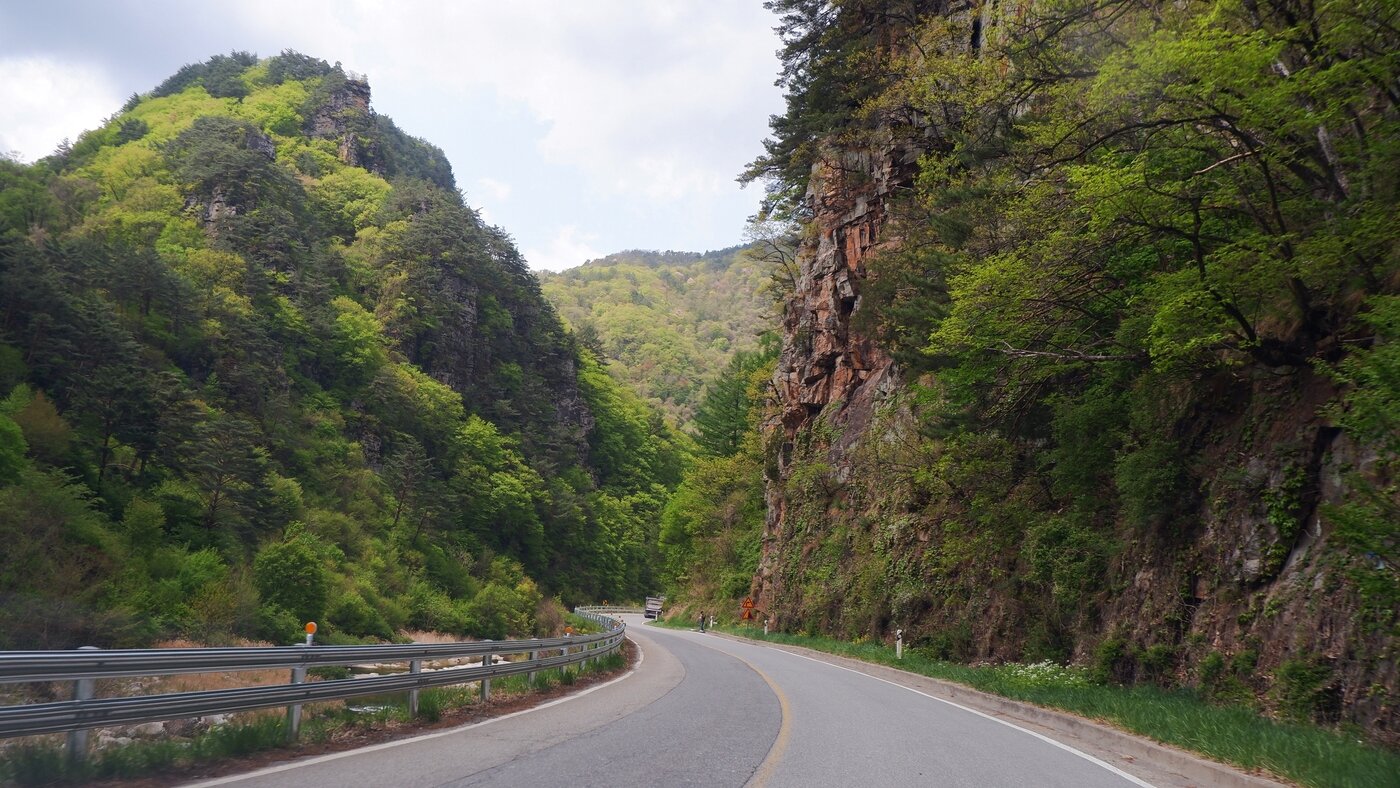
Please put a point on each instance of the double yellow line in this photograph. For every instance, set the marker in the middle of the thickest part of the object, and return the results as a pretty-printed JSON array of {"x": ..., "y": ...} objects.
[{"x": 764, "y": 773}]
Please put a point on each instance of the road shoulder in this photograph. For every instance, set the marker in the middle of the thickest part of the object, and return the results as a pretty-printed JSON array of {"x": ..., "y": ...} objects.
[{"x": 1160, "y": 764}]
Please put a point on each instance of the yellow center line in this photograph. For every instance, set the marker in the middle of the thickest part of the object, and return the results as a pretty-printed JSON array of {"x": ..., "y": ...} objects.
[{"x": 780, "y": 744}]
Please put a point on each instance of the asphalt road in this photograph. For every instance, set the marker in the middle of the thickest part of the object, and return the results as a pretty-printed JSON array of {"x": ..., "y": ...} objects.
[{"x": 705, "y": 710}]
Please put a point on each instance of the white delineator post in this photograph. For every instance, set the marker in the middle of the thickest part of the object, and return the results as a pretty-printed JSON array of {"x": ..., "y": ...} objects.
[
  {"x": 486, "y": 661},
  {"x": 534, "y": 655},
  {"x": 899, "y": 644},
  {"x": 299, "y": 677},
  {"x": 294, "y": 710}
]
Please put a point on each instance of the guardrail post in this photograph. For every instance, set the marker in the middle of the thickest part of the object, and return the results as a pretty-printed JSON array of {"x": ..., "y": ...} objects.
[
  {"x": 534, "y": 657},
  {"x": 294, "y": 710},
  {"x": 89, "y": 713},
  {"x": 78, "y": 740},
  {"x": 414, "y": 666},
  {"x": 486, "y": 661}
]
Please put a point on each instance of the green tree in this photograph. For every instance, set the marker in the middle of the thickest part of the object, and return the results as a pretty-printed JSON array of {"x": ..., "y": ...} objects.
[
  {"x": 725, "y": 414},
  {"x": 12, "y": 450},
  {"x": 228, "y": 162},
  {"x": 291, "y": 575},
  {"x": 225, "y": 464}
]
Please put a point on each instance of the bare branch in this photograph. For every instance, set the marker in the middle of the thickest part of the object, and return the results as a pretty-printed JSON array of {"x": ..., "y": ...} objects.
[{"x": 1068, "y": 355}]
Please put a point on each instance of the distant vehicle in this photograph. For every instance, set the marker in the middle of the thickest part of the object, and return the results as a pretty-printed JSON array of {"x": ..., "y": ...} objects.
[{"x": 653, "y": 607}]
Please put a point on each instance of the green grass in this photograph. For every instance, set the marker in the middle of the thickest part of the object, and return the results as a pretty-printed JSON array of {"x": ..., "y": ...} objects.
[
  {"x": 1233, "y": 734},
  {"x": 43, "y": 764},
  {"x": 34, "y": 764},
  {"x": 582, "y": 625}
]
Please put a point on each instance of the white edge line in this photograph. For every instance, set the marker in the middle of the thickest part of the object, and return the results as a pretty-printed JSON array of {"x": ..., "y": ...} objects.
[
  {"x": 1086, "y": 756},
  {"x": 641, "y": 655}
]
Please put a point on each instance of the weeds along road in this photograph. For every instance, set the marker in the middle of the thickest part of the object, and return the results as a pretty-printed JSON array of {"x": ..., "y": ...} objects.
[{"x": 706, "y": 710}]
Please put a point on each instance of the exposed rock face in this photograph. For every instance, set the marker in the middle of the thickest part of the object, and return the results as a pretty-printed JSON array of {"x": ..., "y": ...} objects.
[
  {"x": 219, "y": 206},
  {"x": 1241, "y": 583},
  {"x": 343, "y": 118},
  {"x": 351, "y": 100},
  {"x": 824, "y": 364},
  {"x": 260, "y": 143},
  {"x": 570, "y": 408}
]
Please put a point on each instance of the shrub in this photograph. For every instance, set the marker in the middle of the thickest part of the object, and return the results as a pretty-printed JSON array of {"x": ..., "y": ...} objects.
[
  {"x": 1210, "y": 670},
  {"x": 290, "y": 574},
  {"x": 431, "y": 609},
  {"x": 1067, "y": 555},
  {"x": 1114, "y": 662},
  {"x": 353, "y": 615},
  {"x": 954, "y": 643},
  {"x": 277, "y": 625},
  {"x": 1150, "y": 481},
  {"x": 1155, "y": 663},
  {"x": 498, "y": 611},
  {"x": 1300, "y": 688}
]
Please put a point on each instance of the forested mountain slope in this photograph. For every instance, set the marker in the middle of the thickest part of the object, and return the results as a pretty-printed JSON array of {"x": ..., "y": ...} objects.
[
  {"x": 260, "y": 364},
  {"x": 1093, "y": 350},
  {"x": 668, "y": 322}
]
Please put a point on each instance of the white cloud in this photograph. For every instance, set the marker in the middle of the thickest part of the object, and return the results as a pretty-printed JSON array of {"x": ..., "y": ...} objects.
[
  {"x": 628, "y": 117},
  {"x": 658, "y": 99},
  {"x": 492, "y": 189},
  {"x": 43, "y": 101},
  {"x": 567, "y": 249}
]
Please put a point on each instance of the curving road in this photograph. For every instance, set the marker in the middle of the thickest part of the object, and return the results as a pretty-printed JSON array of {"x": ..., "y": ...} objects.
[{"x": 706, "y": 710}]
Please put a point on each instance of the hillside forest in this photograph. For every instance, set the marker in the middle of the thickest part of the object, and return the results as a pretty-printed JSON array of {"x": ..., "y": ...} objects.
[
  {"x": 668, "y": 322},
  {"x": 260, "y": 364},
  {"x": 1066, "y": 331}
]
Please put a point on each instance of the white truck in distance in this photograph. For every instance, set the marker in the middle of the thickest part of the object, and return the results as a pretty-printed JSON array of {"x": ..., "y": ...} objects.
[{"x": 653, "y": 607}]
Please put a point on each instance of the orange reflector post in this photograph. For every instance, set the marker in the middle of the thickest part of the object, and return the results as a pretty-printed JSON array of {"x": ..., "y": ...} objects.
[{"x": 311, "y": 627}]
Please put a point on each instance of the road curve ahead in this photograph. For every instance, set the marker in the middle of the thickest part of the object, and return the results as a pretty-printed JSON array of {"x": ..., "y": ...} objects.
[
  {"x": 704, "y": 710},
  {"x": 844, "y": 727}
]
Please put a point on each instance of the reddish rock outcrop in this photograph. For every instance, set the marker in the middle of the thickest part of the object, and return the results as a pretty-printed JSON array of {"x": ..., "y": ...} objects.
[{"x": 825, "y": 364}]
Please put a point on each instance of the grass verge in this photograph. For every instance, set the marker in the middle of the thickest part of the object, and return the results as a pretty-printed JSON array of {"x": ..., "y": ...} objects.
[{"x": 1235, "y": 735}]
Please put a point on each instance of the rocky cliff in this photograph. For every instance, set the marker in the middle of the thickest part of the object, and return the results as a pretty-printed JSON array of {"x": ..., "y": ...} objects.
[
  {"x": 826, "y": 369},
  {"x": 1214, "y": 537},
  {"x": 1257, "y": 582}
]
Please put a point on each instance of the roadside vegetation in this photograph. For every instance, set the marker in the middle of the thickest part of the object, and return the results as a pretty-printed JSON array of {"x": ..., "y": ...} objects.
[
  {"x": 1139, "y": 293},
  {"x": 1230, "y": 732}
]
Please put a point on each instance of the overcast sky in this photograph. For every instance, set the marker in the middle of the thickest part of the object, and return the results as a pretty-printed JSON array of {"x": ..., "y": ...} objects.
[{"x": 581, "y": 127}]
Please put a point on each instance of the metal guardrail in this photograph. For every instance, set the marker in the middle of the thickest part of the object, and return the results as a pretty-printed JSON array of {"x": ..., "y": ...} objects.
[
  {"x": 604, "y": 613},
  {"x": 83, "y": 665},
  {"x": 100, "y": 664}
]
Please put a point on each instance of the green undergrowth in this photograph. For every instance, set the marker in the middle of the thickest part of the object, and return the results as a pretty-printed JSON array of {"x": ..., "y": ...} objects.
[
  {"x": 1232, "y": 734},
  {"x": 45, "y": 763}
]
